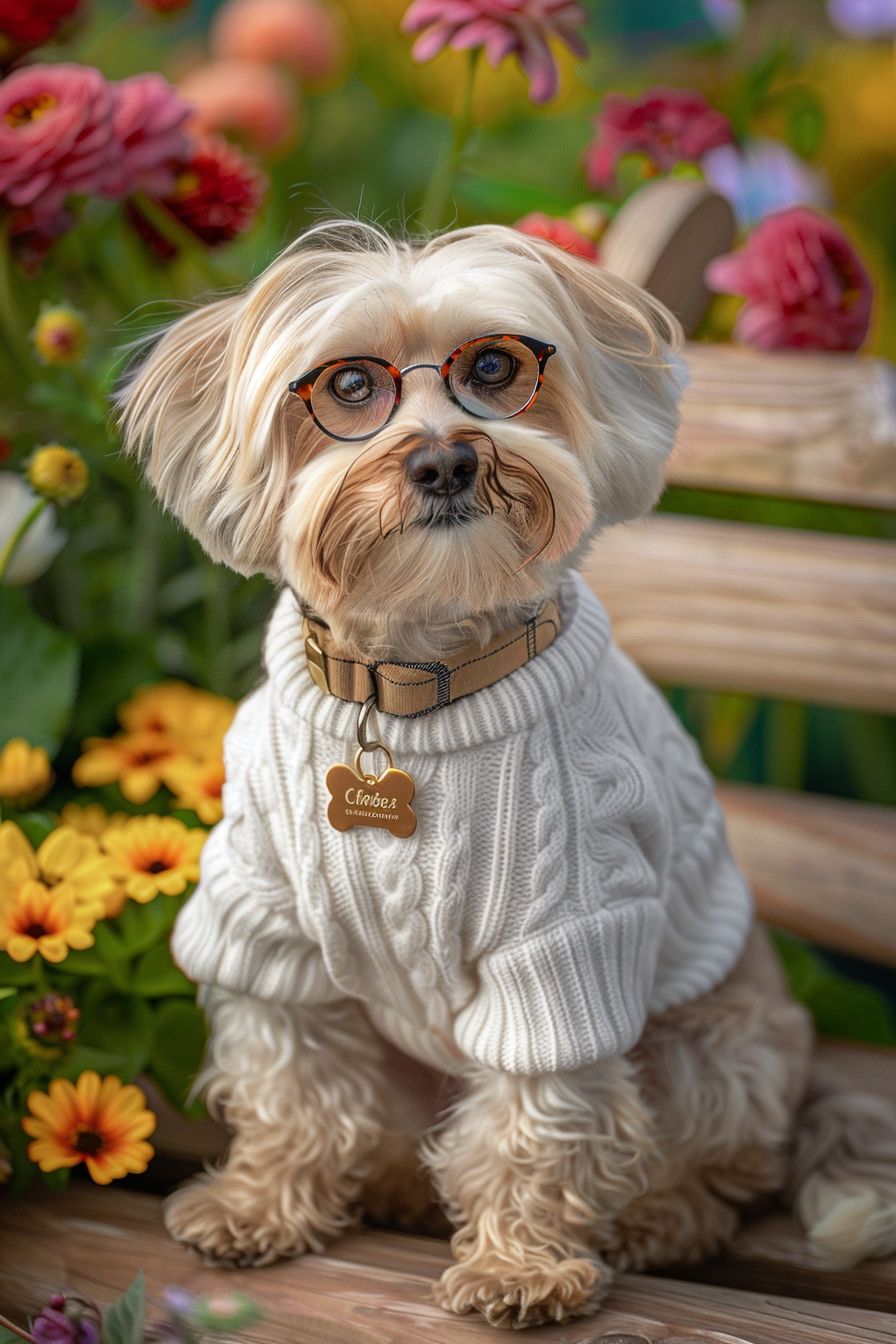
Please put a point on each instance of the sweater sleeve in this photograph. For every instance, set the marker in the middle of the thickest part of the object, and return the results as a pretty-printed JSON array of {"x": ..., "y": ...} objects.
[
  {"x": 567, "y": 997},
  {"x": 239, "y": 930}
]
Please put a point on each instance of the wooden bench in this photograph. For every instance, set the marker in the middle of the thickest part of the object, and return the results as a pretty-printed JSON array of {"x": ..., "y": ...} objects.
[{"x": 701, "y": 603}]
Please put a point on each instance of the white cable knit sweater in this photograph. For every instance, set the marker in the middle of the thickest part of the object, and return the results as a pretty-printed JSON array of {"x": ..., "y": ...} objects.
[{"x": 568, "y": 876}]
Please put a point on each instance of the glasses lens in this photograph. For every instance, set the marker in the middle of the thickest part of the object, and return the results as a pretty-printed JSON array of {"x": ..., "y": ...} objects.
[
  {"x": 494, "y": 378},
  {"x": 354, "y": 399}
]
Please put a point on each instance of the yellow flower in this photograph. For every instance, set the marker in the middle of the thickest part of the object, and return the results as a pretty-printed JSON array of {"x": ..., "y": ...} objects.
[
  {"x": 96, "y": 1121},
  {"x": 152, "y": 855},
  {"x": 89, "y": 818},
  {"x": 25, "y": 773},
  {"x": 59, "y": 335},
  {"x": 197, "y": 785},
  {"x": 69, "y": 865},
  {"x": 37, "y": 919},
  {"x": 134, "y": 761},
  {"x": 179, "y": 711},
  {"x": 58, "y": 473}
]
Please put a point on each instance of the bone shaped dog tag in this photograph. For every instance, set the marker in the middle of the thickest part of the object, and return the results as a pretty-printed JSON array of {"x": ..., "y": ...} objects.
[{"x": 382, "y": 801}]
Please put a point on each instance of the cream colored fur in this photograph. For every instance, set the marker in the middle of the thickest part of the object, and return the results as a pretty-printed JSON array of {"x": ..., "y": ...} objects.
[{"x": 552, "y": 1181}]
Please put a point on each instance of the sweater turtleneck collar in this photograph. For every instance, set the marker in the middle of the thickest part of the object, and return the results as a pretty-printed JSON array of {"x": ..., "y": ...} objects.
[{"x": 558, "y": 675}]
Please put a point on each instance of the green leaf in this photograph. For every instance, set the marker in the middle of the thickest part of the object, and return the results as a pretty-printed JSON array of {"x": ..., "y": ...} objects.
[
  {"x": 140, "y": 927},
  {"x": 89, "y": 1057},
  {"x": 117, "y": 1021},
  {"x": 15, "y": 972},
  {"x": 156, "y": 976},
  {"x": 38, "y": 673},
  {"x": 177, "y": 1049},
  {"x": 7, "y": 992},
  {"x": 7, "y": 1337},
  {"x": 123, "y": 1321},
  {"x": 86, "y": 962}
]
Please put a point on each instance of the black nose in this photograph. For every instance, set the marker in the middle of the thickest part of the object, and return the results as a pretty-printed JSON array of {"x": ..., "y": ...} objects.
[{"x": 442, "y": 469}]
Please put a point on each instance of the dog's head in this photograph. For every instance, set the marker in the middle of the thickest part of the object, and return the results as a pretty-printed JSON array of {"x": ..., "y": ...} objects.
[{"x": 466, "y": 473}]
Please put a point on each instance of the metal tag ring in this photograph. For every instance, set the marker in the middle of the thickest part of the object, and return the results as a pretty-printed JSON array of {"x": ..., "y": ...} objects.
[{"x": 376, "y": 746}]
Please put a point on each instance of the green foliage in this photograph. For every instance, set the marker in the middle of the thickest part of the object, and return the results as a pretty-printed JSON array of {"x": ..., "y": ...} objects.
[
  {"x": 123, "y": 1321},
  {"x": 177, "y": 1049},
  {"x": 38, "y": 673},
  {"x": 839, "y": 1006}
]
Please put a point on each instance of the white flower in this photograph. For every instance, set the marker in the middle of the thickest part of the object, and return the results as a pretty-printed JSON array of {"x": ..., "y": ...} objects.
[{"x": 41, "y": 543}]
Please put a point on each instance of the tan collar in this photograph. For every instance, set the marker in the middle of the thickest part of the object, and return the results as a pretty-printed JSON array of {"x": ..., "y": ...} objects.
[{"x": 412, "y": 689}]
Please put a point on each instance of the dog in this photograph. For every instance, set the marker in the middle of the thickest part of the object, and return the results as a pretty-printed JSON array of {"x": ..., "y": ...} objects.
[{"x": 518, "y": 967}]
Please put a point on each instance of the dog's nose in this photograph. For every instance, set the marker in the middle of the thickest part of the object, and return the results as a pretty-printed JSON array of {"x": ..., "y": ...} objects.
[{"x": 442, "y": 469}]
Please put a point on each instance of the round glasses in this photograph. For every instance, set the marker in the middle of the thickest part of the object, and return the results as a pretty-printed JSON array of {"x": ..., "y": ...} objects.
[{"x": 492, "y": 377}]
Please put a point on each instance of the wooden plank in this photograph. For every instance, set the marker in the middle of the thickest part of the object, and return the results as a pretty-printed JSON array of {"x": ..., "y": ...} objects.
[
  {"x": 808, "y": 426},
  {"x": 373, "y": 1286},
  {"x": 819, "y": 867},
  {"x": 730, "y": 606}
]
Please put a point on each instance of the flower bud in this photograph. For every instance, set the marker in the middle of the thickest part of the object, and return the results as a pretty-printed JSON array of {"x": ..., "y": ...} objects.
[
  {"x": 59, "y": 335},
  {"x": 58, "y": 473}
]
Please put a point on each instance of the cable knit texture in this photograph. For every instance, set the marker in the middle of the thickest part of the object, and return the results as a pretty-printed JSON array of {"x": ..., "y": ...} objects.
[{"x": 568, "y": 876}]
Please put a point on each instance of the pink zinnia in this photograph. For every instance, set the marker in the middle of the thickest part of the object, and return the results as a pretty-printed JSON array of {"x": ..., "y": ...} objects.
[
  {"x": 804, "y": 285},
  {"x": 670, "y": 126},
  {"x": 559, "y": 232},
  {"x": 519, "y": 28},
  {"x": 149, "y": 123},
  {"x": 57, "y": 136}
]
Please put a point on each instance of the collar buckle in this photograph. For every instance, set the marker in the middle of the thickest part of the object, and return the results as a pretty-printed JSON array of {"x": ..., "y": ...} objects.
[{"x": 314, "y": 654}]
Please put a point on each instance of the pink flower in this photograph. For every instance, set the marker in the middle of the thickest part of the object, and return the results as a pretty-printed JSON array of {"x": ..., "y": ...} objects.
[
  {"x": 670, "y": 126},
  {"x": 804, "y": 285},
  {"x": 149, "y": 123},
  {"x": 57, "y": 136},
  {"x": 503, "y": 27},
  {"x": 558, "y": 231},
  {"x": 304, "y": 35},
  {"x": 255, "y": 101}
]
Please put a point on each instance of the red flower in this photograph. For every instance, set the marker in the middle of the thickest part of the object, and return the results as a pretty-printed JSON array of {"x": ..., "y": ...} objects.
[
  {"x": 27, "y": 23},
  {"x": 164, "y": 6},
  {"x": 149, "y": 124},
  {"x": 804, "y": 285},
  {"x": 558, "y": 231},
  {"x": 57, "y": 136},
  {"x": 670, "y": 126}
]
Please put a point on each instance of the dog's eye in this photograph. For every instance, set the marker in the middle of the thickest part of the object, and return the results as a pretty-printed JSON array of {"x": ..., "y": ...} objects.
[
  {"x": 351, "y": 384},
  {"x": 494, "y": 368}
]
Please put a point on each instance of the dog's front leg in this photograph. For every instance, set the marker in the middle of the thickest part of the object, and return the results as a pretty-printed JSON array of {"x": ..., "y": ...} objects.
[
  {"x": 531, "y": 1169},
  {"x": 301, "y": 1090}
]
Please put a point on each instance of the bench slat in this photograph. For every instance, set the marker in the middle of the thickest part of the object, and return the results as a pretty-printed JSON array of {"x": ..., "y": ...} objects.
[
  {"x": 730, "y": 606},
  {"x": 819, "y": 867},
  {"x": 807, "y": 426}
]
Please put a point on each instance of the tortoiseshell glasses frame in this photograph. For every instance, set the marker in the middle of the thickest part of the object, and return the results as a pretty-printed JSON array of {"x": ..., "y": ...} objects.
[{"x": 304, "y": 386}]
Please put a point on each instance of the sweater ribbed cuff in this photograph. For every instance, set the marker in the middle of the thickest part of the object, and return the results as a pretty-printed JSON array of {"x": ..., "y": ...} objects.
[{"x": 567, "y": 998}]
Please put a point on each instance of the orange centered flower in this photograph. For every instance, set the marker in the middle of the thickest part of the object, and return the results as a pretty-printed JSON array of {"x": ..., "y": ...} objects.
[
  {"x": 198, "y": 786},
  {"x": 36, "y": 919},
  {"x": 96, "y": 1121},
  {"x": 68, "y": 878},
  {"x": 152, "y": 855},
  {"x": 25, "y": 773},
  {"x": 132, "y": 760},
  {"x": 29, "y": 109}
]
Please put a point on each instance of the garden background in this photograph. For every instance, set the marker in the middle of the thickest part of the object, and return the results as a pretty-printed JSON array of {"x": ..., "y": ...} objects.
[{"x": 122, "y": 647}]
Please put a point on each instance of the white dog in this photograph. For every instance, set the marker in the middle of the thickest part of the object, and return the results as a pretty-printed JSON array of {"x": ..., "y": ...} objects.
[{"x": 535, "y": 896}]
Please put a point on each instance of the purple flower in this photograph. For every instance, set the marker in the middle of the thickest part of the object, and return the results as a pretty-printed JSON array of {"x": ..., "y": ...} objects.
[
  {"x": 763, "y": 177},
  {"x": 726, "y": 16},
  {"x": 67, "y": 1320},
  {"x": 863, "y": 19}
]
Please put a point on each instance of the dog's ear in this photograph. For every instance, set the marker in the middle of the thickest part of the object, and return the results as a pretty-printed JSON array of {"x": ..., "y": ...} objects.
[
  {"x": 201, "y": 445},
  {"x": 629, "y": 378}
]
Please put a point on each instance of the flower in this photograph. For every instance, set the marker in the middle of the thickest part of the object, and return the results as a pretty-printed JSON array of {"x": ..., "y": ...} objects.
[
  {"x": 31, "y": 240},
  {"x": 197, "y": 785},
  {"x": 67, "y": 864},
  {"x": 57, "y": 136},
  {"x": 96, "y": 1121},
  {"x": 558, "y": 231},
  {"x": 59, "y": 335},
  {"x": 89, "y": 818},
  {"x": 303, "y": 35},
  {"x": 863, "y": 19},
  {"x": 28, "y": 23},
  {"x": 255, "y": 101},
  {"x": 132, "y": 760},
  {"x": 164, "y": 6},
  {"x": 217, "y": 1313},
  {"x": 25, "y": 773},
  {"x": 725, "y": 16},
  {"x": 40, "y": 545},
  {"x": 503, "y": 27},
  {"x": 217, "y": 195},
  {"x": 152, "y": 855},
  {"x": 68, "y": 1319},
  {"x": 58, "y": 473},
  {"x": 762, "y": 177},
  {"x": 805, "y": 286},
  {"x": 49, "y": 1024},
  {"x": 189, "y": 715},
  {"x": 37, "y": 920},
  {"x": 670, "y": 126},
  {"x": 150, "y": 120}
]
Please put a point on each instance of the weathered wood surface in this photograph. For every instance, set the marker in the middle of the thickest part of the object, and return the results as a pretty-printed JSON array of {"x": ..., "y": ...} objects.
[
  {"x": 808, "y": 426},
  {"x": 819, "y": 867},
  {"x": 730, "y": 606},
  {"x": 373, "y": 1287}
]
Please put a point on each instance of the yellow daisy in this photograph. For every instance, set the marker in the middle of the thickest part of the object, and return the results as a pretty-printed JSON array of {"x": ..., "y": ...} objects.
[
  {"x": 152, "y": 855},
  {"x": 25, "y": 773},
  {"x": 176, "y": 710},
  {"x": 97, "y": 1121},
  {"x": 89, "y": 818},
  {"x": 197, "y": 785},
  {"x": 39, "y": 920},
  {"x": 70, "y": 865},
  {"x": 132, "y": 760}
]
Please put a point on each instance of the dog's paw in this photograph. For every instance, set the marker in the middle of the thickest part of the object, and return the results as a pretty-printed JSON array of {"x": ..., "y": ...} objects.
[
  {"x": 214, "y": 1215},
  {"x": 516, "y": 1296}
]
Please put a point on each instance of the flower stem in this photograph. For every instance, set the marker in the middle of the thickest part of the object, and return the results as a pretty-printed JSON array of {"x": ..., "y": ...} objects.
[
  {"x": 433, "y": 210},
  {"x": 6, "y": 554},
  {"x": 16, "y": 1330}
]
